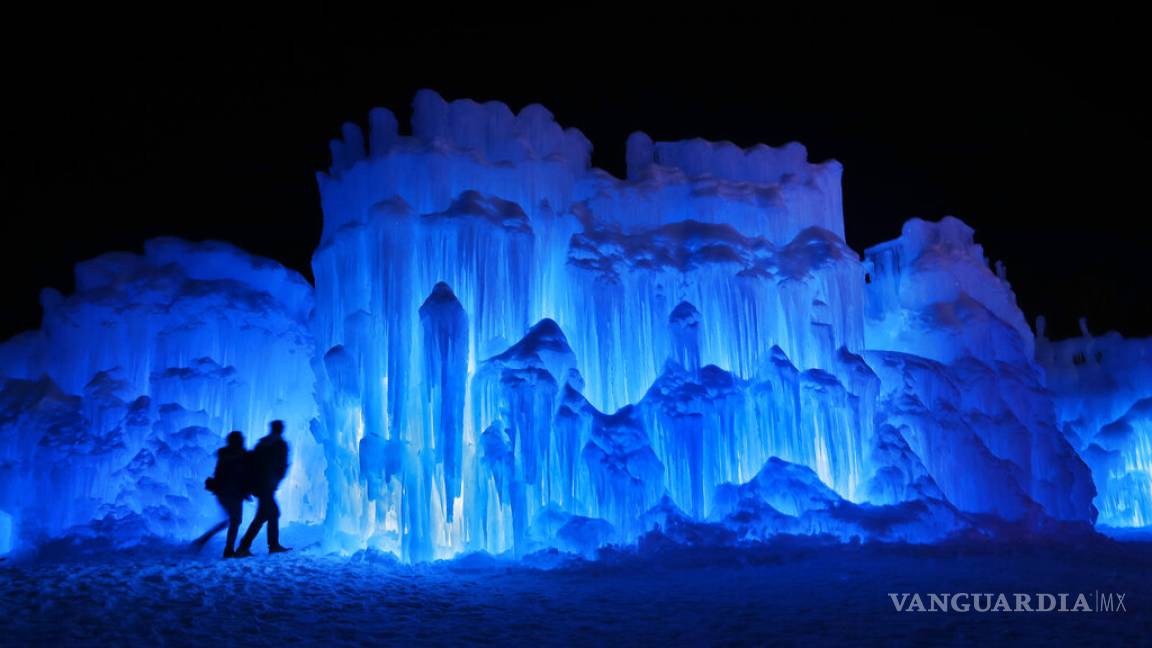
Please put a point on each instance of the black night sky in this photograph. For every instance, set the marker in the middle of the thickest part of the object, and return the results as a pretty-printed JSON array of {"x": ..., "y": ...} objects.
[{"x": 1028, "y": 133}]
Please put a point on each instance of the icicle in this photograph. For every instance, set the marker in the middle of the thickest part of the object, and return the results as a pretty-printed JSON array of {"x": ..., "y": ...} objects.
[{"x": 445, "y": 328}]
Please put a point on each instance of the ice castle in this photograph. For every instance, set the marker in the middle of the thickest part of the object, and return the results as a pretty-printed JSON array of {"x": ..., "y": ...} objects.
[{"x": 508, "y": 350}]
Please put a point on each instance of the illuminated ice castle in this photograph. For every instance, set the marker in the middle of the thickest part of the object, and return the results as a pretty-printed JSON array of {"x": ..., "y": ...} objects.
[{"x": 508, "y": 350}]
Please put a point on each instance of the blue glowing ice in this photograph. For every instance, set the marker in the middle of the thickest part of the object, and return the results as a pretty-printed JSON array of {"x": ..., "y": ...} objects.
[
  {"x": 111, "y": 412},
  {"x": 1102, "y": 388},
  {"x": 507, "y": 350}
]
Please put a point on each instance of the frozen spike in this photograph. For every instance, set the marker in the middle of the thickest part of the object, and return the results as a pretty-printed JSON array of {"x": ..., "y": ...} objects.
[
  {"x": 428, "y": 114},
  {"x": 384, "y": 131},
  {"x": 353, "y": 143},
  {"x": 639, "y": 154},
  {"x": 445, "y": 329},
  {"x": 339, "y": 157}
]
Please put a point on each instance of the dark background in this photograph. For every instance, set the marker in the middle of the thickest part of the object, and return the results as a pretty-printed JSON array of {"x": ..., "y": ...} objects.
[{"x": 1029, "y": 132}]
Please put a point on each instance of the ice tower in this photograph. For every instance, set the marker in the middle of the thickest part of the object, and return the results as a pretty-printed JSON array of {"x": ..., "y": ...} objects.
[{"x": 619, "y": 343}]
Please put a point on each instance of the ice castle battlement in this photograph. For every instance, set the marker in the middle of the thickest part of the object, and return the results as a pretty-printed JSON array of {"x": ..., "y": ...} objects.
[
  {"x": 490, "y": 131},
  {"x": 529, "y": 158},
  {"x": 493, "y": 132}
]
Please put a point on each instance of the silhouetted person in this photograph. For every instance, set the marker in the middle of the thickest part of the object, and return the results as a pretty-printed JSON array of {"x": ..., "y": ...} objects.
[
  {"x": 231, "y": 483},
  {"x": 269, "y": 460}
]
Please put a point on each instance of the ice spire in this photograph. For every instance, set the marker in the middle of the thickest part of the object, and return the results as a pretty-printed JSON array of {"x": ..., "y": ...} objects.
[{"x": 445, "y": 326}]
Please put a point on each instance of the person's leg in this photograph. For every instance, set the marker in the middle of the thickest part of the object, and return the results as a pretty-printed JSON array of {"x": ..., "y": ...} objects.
[
  {"x": 235, "y": 510},
  {"x": 257, "y": 522},
  {"x": 199, "y": 543},
  {"x": 273, "y": 523}
]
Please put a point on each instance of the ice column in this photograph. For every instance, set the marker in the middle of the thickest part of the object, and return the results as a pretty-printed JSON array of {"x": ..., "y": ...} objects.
[{"x": 445, "y": 327}]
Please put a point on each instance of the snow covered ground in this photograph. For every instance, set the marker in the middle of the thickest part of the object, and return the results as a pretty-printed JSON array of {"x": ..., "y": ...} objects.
[{"x": 791, "y": 591}]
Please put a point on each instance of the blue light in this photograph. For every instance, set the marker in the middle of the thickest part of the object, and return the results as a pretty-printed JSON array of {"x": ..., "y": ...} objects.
[{"x": 508, "y": 350}]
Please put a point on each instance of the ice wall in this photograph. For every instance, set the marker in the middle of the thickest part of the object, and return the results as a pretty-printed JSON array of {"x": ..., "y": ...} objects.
[
  {"x": 630, "y": 344},
  {"x": 1102, "y": 387},
  {"x": 111, "y": 413},
  {"x": 954, "y": 355},
  {"x": 583, "y": 300}
]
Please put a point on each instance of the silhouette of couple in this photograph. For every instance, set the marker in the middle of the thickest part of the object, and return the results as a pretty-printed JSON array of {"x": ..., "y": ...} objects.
[{"x": 239, "y": 475}]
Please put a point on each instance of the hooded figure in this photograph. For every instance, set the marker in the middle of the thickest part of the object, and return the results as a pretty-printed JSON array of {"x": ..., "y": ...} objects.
[{"x": 269, "y": 464}]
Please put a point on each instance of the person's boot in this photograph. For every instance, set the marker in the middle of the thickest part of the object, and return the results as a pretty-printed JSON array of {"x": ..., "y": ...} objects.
[
  {"x": 242, "y": 552},
  {"x": 278, "y": 549},
  {"x": 229, "y": 552}
]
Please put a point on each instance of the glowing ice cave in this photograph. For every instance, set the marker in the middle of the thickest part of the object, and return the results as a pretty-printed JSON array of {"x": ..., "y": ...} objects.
[{"x": 507, "y": 350}]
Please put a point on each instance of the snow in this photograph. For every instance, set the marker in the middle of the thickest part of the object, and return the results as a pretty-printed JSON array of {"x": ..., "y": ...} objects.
[{"x": 789, "y": 590}]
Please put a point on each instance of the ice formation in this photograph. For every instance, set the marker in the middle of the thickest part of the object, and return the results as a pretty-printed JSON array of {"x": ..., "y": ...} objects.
[
  {"x": 954, "y": 355},
  {"x": 507, "y": 350},
  {"x": 1102, "y": 388},
  {"x": 110, "y": 414}
]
